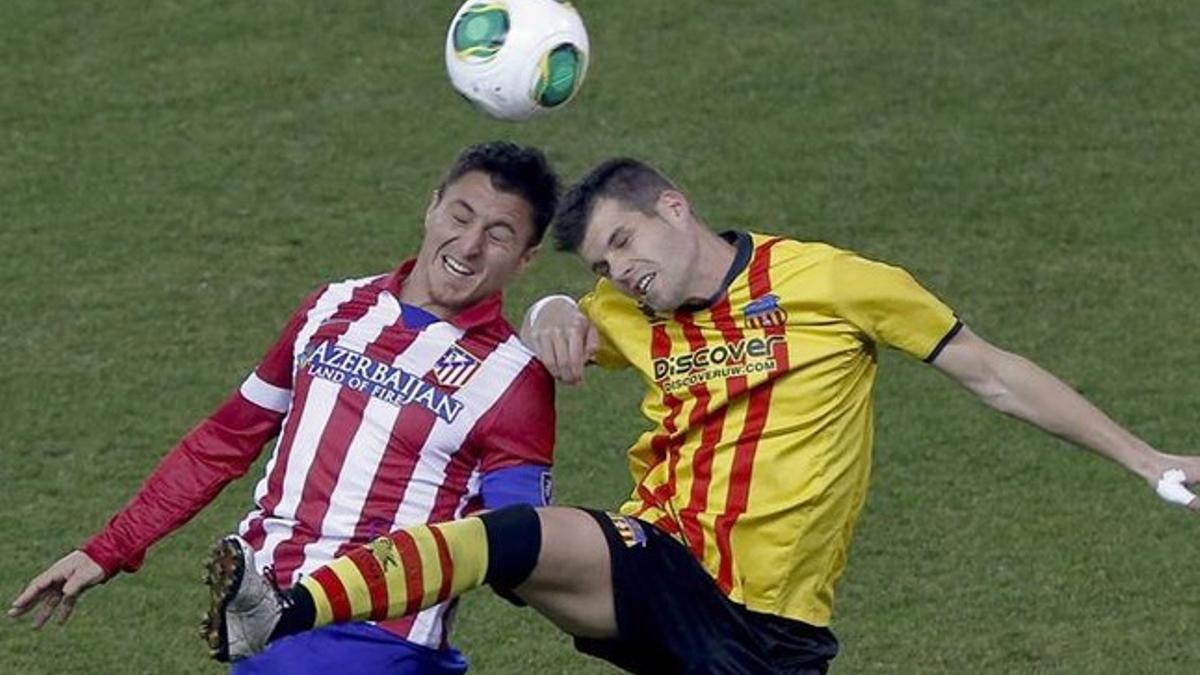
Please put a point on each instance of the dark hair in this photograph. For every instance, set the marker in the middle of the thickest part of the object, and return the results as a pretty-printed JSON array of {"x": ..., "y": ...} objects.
[
  {"x": 629, "y": 181},
  {"x": 514, "y": 169}
]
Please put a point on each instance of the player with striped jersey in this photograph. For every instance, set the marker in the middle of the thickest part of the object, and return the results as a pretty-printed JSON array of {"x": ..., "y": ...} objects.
[
  {"x": 759, "y": 355},
  {"x": 397, "y": 399}
]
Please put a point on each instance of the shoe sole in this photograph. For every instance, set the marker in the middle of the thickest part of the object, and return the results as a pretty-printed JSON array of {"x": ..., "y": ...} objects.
[{"x": 223, "y": 575}]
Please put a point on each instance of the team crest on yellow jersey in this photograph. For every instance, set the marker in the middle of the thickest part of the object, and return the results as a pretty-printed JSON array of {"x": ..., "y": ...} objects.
[{"x": 765, "y": 312}]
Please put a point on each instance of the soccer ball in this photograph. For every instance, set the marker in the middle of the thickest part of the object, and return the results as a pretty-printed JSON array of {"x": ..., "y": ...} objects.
[{"x": 515, "y": 59}]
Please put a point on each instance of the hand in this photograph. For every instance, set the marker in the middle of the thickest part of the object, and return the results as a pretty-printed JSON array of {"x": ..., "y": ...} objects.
[
  {"x": 1174, "y": 475},
  {"x": 563, "y": 339},
  {"x": 59, "y": 587}
]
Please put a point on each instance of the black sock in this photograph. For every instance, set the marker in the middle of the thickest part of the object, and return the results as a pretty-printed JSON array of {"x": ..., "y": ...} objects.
[
  {"x": 299, "y": 613},
  {"x": 514, "y": 538}
]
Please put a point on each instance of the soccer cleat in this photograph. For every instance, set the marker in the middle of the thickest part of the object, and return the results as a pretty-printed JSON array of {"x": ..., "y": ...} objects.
[{"x": 244, "y": 605}]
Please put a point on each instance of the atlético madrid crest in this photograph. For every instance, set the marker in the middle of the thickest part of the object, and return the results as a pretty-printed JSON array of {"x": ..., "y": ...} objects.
[
  {"x": 764, "y": 312},
  {"x": 455, "y": 367}
]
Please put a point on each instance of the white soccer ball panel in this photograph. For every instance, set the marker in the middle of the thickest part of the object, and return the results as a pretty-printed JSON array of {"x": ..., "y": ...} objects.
[{"x": 517, "y": 58}]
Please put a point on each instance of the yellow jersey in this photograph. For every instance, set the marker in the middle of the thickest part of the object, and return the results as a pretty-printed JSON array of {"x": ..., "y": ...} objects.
[{"x": 762, "y": 410}]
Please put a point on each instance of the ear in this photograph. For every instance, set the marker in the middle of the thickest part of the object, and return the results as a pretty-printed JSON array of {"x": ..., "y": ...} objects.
[
  {"x": 434, "y": 200},
  {"x": 527, "y": 257},
  {"x": 673, "y": 207}
]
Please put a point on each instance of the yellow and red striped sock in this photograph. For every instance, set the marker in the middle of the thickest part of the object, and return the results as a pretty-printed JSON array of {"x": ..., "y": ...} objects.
[{"x": 401, "y": 573}]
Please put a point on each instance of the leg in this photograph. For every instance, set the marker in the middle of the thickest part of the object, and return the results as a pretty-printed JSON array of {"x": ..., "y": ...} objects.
[
  {"x": 558, "y": 559},
  {"x": 572, "y": 583},
  {"x": 555, "y": 559}
]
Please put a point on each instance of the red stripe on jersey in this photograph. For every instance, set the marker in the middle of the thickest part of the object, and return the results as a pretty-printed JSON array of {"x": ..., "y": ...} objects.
[
  {"x": 396, "y": 466},
  {"x": 757, "y": 410},
  {"x": 364, "y": 297},
  {"x": 454, "y": 485},
  {"x": 255, "y": 534},
  {"x": 275, "y": 368},
  {"x": 393, "y": 475},
  {"x": 410, "y": 561},
  {"x": 667, "y": 525},
  {"x": 662, "y": 443},
  {"x": 702, "y": 460},
  {"x": 467, "y": 457},
  {"x": 335, "y": 593},
  {"x": 446, "y": 562},
  {"x": 330, "y": 458},
  {"x": 401, "y": 626}
]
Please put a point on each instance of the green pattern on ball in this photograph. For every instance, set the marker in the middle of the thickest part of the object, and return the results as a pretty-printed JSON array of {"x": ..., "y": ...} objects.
[
  {"x": 558, "y": 75},
  {"x": 480, "y": 31}
]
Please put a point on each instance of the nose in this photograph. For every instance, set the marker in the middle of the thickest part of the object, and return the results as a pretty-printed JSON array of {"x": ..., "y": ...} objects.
[
  {"x": 622, "y": 271},
  {"x": 472, "y": 241}
]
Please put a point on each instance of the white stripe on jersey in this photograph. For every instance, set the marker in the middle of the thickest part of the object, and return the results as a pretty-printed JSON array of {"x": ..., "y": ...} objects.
[
  {"x": 325, "y": 305},
  {"x": 265, "y": 395},
  {"x": 427, "y": 627},
  {"x": 367, "y": 449},
  {"x": 321, "y": 399},
  {"x": 498, "y": 370},
  {"x": 473, "y": 482}
]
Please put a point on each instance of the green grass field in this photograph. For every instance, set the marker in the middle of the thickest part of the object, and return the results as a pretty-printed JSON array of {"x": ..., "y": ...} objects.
[{"x": 175, "y": 176}]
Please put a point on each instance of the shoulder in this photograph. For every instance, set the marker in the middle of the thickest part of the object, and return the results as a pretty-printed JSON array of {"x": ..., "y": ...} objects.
[
  {"x": 341, "y": 290},
  {"x": 498, "y": 341},
  {"x": 785, "y": 252},
  {"x": 793, "y": 267},
  {"x": 606, "y": 306}
]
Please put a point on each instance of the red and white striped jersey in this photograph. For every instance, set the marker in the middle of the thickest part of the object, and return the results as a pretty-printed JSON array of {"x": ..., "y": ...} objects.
[{"x": 379, "y": 426}]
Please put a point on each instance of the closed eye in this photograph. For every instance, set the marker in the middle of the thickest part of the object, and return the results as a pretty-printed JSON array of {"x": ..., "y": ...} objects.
[{"x": 501, "y": 234}]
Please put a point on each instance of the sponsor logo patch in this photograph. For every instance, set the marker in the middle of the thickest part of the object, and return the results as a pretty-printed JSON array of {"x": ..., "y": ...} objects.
[{"x": 378, "y": 379}]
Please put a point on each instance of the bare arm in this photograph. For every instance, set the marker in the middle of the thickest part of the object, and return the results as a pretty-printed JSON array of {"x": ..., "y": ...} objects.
[{"x": 1018, "y": 387}]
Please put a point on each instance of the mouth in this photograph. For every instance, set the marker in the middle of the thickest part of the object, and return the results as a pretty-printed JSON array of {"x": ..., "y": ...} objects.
[
  {"x": 643, "y": 283},
  {"x": 456, "y": 267}
]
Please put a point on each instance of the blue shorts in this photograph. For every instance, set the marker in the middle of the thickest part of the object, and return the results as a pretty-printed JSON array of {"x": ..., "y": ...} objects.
[{"x": 359, "y": 648}]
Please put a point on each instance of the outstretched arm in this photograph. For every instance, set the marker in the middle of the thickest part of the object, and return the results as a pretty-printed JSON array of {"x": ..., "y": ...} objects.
[
  {"x": 215, "y": 453},
  {"x": 1018, "y": 387}
]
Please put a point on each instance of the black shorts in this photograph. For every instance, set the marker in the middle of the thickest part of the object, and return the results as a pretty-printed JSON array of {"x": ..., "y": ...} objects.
[{"x": 672, "y": 618}]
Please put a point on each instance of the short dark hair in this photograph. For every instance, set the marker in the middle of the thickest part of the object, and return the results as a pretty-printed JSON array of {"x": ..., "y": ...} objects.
[
  {"x": 632, "y": 182},
  {"x": 522, "y": 171}
]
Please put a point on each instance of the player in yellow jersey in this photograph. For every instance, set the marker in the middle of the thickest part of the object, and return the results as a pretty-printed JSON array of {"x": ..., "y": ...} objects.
[{"x": 759, "y": 356}]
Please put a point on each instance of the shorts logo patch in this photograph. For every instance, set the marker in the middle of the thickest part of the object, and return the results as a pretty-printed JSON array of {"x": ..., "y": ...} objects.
[
  {"x": 765, "y": 312},
  {"x": 455, "y": 367},
  {"x": 630, "y": 530}
]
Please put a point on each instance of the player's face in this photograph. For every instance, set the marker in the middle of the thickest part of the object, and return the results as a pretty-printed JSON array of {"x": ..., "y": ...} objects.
[
  {"x": 476, "y": 241},
  {"x": 646, "y": 256}
]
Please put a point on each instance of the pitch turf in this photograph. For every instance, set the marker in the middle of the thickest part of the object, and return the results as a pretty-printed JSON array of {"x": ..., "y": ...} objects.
[{"x": 175, "y": 176}]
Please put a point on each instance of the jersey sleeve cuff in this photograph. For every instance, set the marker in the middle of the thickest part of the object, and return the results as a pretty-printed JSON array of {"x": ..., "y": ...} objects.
[
  {"x": 102, "y": 556},
  {"x": 958, "y": 325}
]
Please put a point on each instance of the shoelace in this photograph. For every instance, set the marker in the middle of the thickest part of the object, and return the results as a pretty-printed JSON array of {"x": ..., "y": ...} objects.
[{"x": 285, "y": 599}]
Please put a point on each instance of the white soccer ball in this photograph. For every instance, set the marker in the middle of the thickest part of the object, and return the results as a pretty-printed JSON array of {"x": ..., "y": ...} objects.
[{"x": 515, "y": 59}]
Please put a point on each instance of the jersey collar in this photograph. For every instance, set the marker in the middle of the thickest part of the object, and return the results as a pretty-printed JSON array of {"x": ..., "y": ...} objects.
[
  {"x": 486, "y": 311},
  {"x": 745, "y": 249}
]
